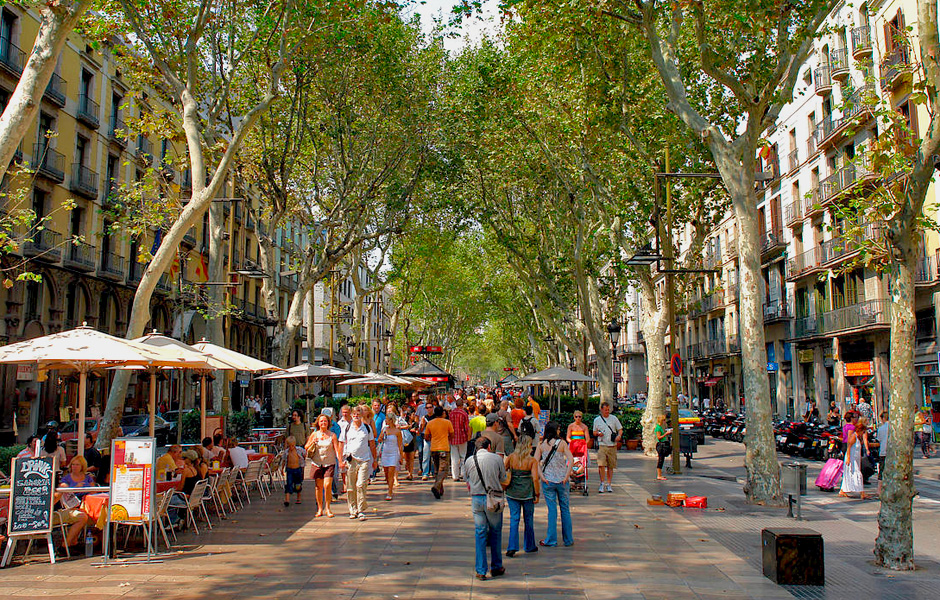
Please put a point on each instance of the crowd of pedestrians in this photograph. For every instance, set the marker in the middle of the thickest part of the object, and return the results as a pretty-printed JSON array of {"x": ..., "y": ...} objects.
[{"x": 493, "y": 443}]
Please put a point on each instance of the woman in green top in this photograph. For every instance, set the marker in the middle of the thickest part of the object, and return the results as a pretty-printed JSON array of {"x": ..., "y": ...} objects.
[
  {"x": 522, "y": 494},
  {"x": 663, "y": 446}
]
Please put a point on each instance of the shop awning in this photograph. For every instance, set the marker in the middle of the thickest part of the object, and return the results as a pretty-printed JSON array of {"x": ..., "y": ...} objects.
[{"x": 711, "y": 381}]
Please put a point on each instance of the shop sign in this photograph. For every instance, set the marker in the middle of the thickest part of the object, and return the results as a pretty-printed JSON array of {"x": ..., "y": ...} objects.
[
  {"x": 804, "y": 356},
  {"x": 927, "y": 370},
  {"x": 719, "y": 371},
  {"x": 771, "y": 367},
  {"x": 24, "y": 373},
  {"x": 859, "y": 369}
]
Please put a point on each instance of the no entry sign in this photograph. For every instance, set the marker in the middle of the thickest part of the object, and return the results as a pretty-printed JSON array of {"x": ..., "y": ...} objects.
[{"x": 675, "y": 364}]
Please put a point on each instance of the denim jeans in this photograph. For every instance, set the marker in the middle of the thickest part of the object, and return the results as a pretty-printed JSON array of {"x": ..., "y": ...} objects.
[
  {"x": 489, "y": 533},
  {"x": 426, "y": 458},
  {"x": 526, "y": 508},
  {"x": 556, "y": 496}
]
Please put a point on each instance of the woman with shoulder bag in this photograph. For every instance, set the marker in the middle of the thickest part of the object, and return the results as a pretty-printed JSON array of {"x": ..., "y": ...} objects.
[
  {"x": 522, "y": 494},
  {"x": 555, "y": 462},
  {"x": 663, "y": 445}
]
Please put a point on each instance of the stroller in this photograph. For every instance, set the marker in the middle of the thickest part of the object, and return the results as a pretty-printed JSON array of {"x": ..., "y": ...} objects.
[{"x": 579, "y": 472}]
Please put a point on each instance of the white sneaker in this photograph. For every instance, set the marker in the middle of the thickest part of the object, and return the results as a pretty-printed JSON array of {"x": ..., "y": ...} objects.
[
  {"x": 600, "y": 490},
  {"x": 609, "y": 489}
]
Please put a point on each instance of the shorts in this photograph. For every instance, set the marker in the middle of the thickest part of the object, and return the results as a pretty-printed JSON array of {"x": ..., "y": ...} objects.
[
  {"x": 69, "y": 516},
  {"x": 295, "y": 479},
  {"x": 324, "y": 471},
  {"x": 607, "y": 456},
  {"x": 409, "y": 447}
]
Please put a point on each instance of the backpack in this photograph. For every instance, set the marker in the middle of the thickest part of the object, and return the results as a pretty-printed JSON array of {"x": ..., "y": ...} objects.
[{"x": 527, "y": 428}]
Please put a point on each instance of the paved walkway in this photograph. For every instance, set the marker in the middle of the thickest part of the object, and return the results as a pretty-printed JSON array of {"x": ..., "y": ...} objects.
[{"x": 416, "y": 547}]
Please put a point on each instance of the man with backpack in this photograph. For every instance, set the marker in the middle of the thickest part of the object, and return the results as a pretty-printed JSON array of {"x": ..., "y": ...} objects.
[{"x": 357, "y": 448}]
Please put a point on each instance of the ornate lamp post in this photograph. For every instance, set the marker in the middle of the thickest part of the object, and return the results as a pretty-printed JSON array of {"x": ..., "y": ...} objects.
[{"x": 613, "y": 330}]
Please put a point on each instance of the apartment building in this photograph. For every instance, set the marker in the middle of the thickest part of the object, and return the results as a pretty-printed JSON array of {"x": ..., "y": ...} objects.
[
  {"x": 826, "y": 315},
  {"x": 83, "y": 151}
]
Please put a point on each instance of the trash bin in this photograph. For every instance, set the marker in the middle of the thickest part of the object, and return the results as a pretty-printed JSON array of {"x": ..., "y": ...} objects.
[
  {"x": 688, "y": 445},
  {"x": 794, "y": 479}
]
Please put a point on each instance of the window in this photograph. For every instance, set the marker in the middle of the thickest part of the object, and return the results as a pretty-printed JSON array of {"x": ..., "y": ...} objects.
[
  {"x": 926, "y": 325},
  {"x": 116, "y": 123},
  {"x": 82, "y": 151},
  {"x": 39, "y": 203},
  {"x": 86, "y": 91},
  {"x": 112, "y": 174},
  {"x": 46, "y": 125},
  {"x": 7, "y": 34}
]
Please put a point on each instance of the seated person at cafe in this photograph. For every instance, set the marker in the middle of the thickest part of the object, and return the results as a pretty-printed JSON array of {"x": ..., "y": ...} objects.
[
  {"x": 172, "y": 461},
  {"x": 219, "y": 442},
  {"x": 91, "y": 454},
  {"x": 237, "y": 455},
  {"x": 78, "y": 475},
  {"x": 68, "y": 511},
  {"x": 209, "y": 450}
]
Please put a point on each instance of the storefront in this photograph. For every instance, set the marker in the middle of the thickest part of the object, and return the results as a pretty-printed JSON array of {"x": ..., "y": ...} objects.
[{"x": 860, "y": 378}]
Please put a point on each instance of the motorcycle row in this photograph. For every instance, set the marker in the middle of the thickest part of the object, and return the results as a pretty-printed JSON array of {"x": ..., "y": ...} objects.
[{"x": 814, "y": 441}]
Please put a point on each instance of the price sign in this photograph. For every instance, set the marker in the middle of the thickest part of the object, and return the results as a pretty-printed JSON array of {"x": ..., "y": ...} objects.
[
  {"x": 132, "y": 479},
  {"x": 31, "y": 495}
]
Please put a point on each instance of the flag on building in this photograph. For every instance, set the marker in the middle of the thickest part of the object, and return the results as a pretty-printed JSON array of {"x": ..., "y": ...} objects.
[{"x": 202, "y": 269}]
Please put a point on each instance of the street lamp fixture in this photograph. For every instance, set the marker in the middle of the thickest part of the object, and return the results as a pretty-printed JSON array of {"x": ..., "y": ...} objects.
[{"x": 614, "y": 331}]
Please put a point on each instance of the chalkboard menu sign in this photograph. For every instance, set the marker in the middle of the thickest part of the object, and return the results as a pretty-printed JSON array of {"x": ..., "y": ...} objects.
[{"x": 31, "y": 494}]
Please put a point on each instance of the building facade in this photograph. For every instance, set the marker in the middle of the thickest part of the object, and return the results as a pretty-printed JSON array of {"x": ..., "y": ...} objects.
[{"x": 81, "y": 151}]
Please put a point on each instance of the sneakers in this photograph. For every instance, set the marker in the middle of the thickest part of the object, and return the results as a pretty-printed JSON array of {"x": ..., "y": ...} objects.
[
  {"x": 353, "y": 516},
  {"x": 600, "y": 490},
  {"x": 362, "y": 516},
  {"x": 609, "y": 489}
]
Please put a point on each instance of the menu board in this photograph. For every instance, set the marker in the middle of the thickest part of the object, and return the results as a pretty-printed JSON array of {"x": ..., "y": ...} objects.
[
  {"x": 31, "y": 496},
  {"x": 132, "y": 479}
]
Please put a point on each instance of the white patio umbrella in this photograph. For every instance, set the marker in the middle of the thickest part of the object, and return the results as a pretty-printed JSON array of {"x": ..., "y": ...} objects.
[
  {"x": 309, "y": 371},
  {"x": 172, "y": 347},
  {"x": 241, "y": 362},
  {"x": 84, "y": 349},
  {"x": 553, "y": 375}
]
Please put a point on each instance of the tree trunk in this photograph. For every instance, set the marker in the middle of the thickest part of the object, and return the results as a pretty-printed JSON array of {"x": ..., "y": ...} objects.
[
  {"x": 653, "y": 324},
  {"x": 894, "y": 546},
  {"x": 357, "y": 330},
  {"x": 217, "y": 296},
  {"x": 760, "y": 459},
  {"x": 284, "y": 342},
  {"x": 57, "y": 20}
]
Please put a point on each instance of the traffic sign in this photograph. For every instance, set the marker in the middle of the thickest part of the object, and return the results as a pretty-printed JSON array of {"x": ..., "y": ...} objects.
[{"x": 675, "y": 364}]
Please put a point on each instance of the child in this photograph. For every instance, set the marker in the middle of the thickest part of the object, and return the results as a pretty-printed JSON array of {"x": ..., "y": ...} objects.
[{"x": 294, "y": 458}]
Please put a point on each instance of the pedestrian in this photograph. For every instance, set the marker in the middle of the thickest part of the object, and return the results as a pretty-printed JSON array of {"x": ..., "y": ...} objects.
[
  {"x": 663, "y": 445},
  {"x": 357, "y": 447},
  {"x": 923, "y": 430},
  {"x": 323, "y": 448},
  {"x": 425, "y": 442},
  {"x": 555, "y": 463},
  {"x": 409, "y": 432},
  {"x": 458, "y": 443},
  {"x": 345, "y": 418},
  {"x": 607, "y": 432},
  {"x": 517, "y": 413},
  {"x": 522, "y": 494},
  {"x": 485, "y": 473},
  {"x": 392, "y": 452},
  {"x": 578, "y": 430},
  {"x": 297, "y": 428},
  {"x": 294, "y": 458},
  {"x": 529, "y": 425},
  {"x": 881, "y": 434},
  {"x": 852, "y": 463},
  {"x": 439, "y": 431},
  {"x": 494, "y": 435},
  {"x": 865, "y": 410},
  {"x": 834, "y": 416}
]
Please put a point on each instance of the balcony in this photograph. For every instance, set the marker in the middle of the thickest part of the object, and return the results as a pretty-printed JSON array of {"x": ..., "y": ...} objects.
[
  {"x": 80, "y": 256},
  {"x": 716, "y": 347},
  {"x": 44, "y": 245},
  {"x": 186, "y": 183},
  {"x": 855, "y": 111},
  {"x": 55, "y": 91},
  {"x": 135, "y": 273},
  {"x": 895, "y": 64},
  {"x": 117, "y": 132},
  {"x": 144, "y": 150},
  {"x": 793, "y": 160},
  {"x": 776, "y": 310},
  {"x": 811, "y": 144},
  {"x": 734, "y": 344},
  {"x": 112, "y": 266},
  {"x": 804, "y": 263},
  {"x": 289, "y": 283},
  {"x": 823, "y": 80},
  {"x": 926, "y": 272},
  {"x": 84, "y": 181},
  {"x": 841, "y": 246},
  {"x": 49, "y": 163},
  {"x": 12, "y": 58},
  {"x": 772, "y": 243},
  {"x": 807, "y": 326},
  {"x": 861, "y": 42},
  {"x": 189, "y": 238},
  {"x": 731, "y": 247},
  {"x": 845, "y": 178},
  {"x": 812, "y": 202},
  {"x": 868, "y": 314},
  {"x": 792, "y": 214},
  {"x": 712, "y": 257},
  {"x": 839, "y": 64},
  {"x": 87, "y": 111},
  {"x": 163, "y": 284}
]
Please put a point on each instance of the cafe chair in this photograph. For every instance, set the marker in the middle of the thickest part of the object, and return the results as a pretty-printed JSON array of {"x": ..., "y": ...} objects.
[
  {"x": 163, "y": 517},
  {"x": 252, "y": 476},
  {"x": 195, "y": 502}
]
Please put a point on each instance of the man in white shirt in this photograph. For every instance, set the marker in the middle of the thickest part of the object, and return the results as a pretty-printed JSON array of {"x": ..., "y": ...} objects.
[
  {"x": 357, "y": 447},
  {"x": 239, "y": 457},
  {"x": 607, "y": 432},
  {"x": 881, "y": 434}
]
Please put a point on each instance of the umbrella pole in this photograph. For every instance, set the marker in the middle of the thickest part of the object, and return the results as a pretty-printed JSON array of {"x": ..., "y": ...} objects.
[
  {"x": 202, "y": 409},
  {"x": 82, "y": 389},
  {"x": 153, "y": 400}
]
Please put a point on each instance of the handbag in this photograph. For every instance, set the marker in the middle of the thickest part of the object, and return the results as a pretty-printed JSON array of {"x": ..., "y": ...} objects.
[
  {"x": 613, "y": 434},
  {"x": 663, "y": 448},
  {"x": 494, "y": 498}
]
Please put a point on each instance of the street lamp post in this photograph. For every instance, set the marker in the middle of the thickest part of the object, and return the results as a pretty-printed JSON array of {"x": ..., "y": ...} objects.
[{"x": 613, "y": 330}]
